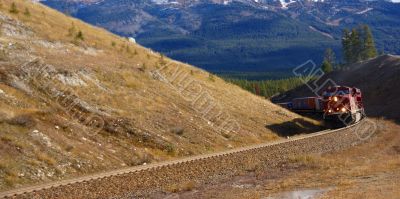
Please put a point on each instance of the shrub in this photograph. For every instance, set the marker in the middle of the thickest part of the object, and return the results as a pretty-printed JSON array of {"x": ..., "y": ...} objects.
[
  {"x": 22, "y": 120},
  {"x": 79, "y": 36},
  {"x": 72, "y": 29},
  {"x": 185, "y": 186},
  {"x": 143, "y": 68},
  {"x": 11, "y": 178},
  {"x": 170, "y": 149},
  {"x": 188, "y": 186},
  {"x": 6, "y": 138},
  {"x": 27, "y": 12},
  {"x": 42, "y": 157},
  {"x": 162, "y": 60},
  {"x": 3, "y": 55},
  {"x": 211, "y": 77},
  {"x": 178, "y": 131},
  {"x": 13, "y": 8},
  {"x": 303, "y": 160},
  {"x": 226, "y": 135},
  {"x": 113, "y": 44},
  {"x": 69, "y": 148}
]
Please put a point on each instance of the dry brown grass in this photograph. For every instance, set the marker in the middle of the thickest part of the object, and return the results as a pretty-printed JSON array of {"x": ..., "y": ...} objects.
[
  {"x": 370, "y": 170},
  {"x": 183, "y": 187},
  {"x": 43, "y": 157},
  {"x": 352, "y": 170},
  {"x": 122, "y": 89},
  {"x": 303, "y": 159},
  {"x": 8, "y": 172}
]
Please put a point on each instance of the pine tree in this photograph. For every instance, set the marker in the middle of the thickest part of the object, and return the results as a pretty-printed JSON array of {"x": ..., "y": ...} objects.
[
  {"x": 263, "y": 89},
  {"x": 356, "y": 46},
  {"x": 369, "y": 50},
  {"x": 352, "y": 46},
  {"x": 346, "y": 45},
  {"x": 330, "y": 56},
  {"x": 326, "y": 67},
  {"x": 257, "y": 88}
]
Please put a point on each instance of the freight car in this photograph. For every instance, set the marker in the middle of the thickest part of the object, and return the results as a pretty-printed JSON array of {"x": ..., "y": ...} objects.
[{"x": 308, "y": 104}]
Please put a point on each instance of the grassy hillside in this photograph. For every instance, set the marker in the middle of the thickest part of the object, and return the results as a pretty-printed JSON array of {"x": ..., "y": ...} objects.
[{"x": 76, "y": 99}]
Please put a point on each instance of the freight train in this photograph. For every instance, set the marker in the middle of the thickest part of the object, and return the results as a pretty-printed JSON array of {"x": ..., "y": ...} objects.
[{"x": 336, "y": 104}]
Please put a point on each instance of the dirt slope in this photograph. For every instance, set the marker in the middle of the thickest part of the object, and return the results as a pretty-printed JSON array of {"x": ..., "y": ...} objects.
[
  {"x": 377, "y": 78},
  {"x": 76, "y": 99}
]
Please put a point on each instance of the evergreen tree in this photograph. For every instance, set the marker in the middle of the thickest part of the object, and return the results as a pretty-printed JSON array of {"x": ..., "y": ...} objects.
[
  {"x": 268, "y": 88},
  {"x": 356, "y": 46},
  {"x": 369, "y": 50},
  {"x": 263, "y": 89},
  {"x": 326, "y": 67},
  {"x": 329, "y": 56},
  {"x": 346, "y": 45},
  {"x": 257, "y": 89}
]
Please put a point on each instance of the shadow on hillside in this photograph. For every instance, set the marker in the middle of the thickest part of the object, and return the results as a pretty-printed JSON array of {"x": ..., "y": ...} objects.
[{"x": 294, "y": 127}]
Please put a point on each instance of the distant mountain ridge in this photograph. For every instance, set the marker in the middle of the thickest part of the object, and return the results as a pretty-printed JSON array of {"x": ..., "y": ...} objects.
[{"x": 240, "y": 35}]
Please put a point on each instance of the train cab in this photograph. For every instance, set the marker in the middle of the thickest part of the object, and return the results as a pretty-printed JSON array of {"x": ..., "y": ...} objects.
[{"x": 343, "y": 103}]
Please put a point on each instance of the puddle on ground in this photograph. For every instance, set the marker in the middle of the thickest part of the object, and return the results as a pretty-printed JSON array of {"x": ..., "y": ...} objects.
[{"x": 299, "y": 194}]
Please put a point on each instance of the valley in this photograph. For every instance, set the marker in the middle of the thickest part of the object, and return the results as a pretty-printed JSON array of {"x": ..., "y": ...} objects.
[{"x": 241, "y": 36}]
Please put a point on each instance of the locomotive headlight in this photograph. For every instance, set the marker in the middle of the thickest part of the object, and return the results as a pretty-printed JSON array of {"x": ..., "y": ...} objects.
[
  {"x": 343, "y": 109},
  {"x": 330, "y": 111},
  {"x": 335, "y": 99}
]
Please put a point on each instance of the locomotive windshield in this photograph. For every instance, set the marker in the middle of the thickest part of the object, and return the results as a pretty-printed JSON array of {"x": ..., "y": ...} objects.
[
  {"x": 336, "y": 91},
  {"x": 340, "y": 92}
]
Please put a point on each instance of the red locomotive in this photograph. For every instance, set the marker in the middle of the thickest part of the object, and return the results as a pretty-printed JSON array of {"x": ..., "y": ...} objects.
[
  {"x": 343, "y": 103},
  {"x": 338, "y": 103}
]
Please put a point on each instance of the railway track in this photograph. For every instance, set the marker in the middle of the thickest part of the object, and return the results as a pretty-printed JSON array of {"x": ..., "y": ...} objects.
[{"x": 140, "y": 179}]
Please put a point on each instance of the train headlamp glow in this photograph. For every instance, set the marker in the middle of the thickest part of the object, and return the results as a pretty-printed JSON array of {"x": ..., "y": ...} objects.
[
  {"x": 330, "y": 111},
  {"x": 343, "y": 109},
  {"x": 335, "y": 99}
]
